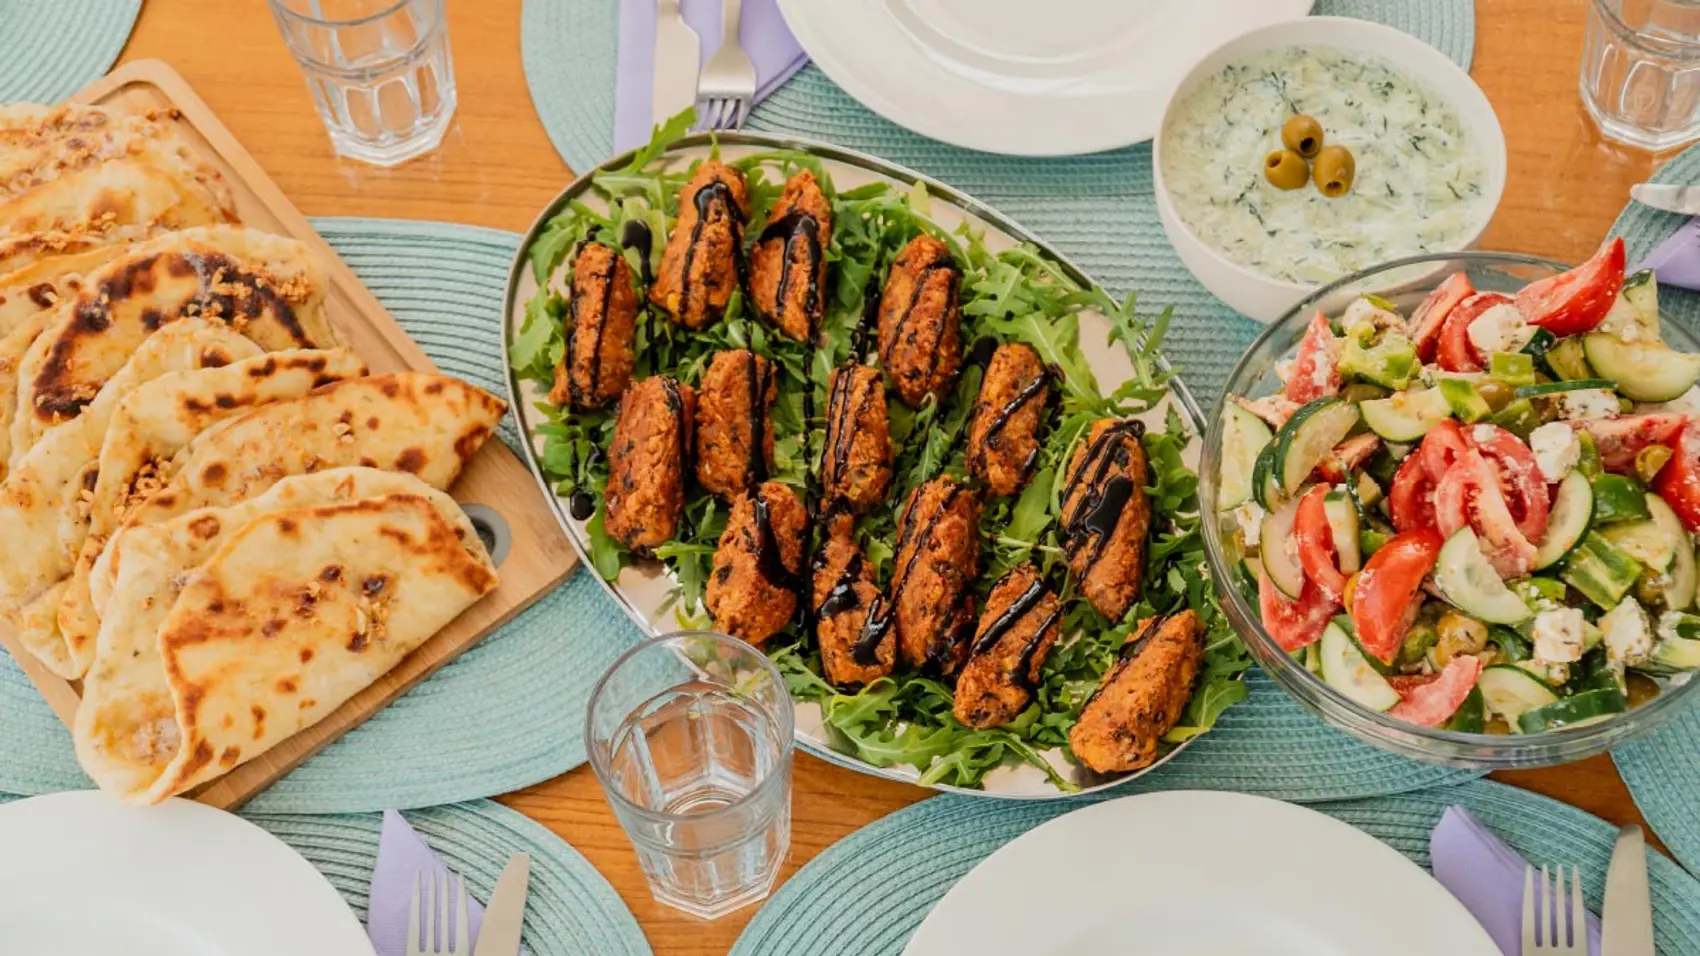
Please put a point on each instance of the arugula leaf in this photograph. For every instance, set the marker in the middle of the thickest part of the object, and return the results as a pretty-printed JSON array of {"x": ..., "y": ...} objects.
[{"x": 539, "y": 345}]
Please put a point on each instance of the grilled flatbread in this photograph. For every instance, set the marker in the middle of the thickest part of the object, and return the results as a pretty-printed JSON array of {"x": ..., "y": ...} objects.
[
  {"x": 69, "y": 138},
  {"x": 44, "y": 503},
  {"x": 268, "y": 288},
  {"x": 304, "y": 596},
  {"x": 156, "y": 421},
  {"x": 129, "y": 190}
]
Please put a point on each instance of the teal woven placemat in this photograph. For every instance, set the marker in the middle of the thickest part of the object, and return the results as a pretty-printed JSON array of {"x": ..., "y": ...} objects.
[
  {"x": 504, "y": 715},
  {"x": 50, "y": 49},
  {"x": 901, "y": 865}
]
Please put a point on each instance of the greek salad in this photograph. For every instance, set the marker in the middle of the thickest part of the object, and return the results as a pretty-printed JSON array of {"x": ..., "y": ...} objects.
[{"x": 1478, "y": 516}]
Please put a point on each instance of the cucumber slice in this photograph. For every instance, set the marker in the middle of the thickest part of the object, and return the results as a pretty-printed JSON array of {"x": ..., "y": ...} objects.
[
  {"x": 1347, "y": 669},
  {"x": 1519, "y": 418},
  {"x": 1600, "y": 570},
  {"x": 1634, "y": 317},
  {"x": 1513, "y": 368},
  {"x": 1572, "y": 512},
  {"x": 1244, "y": 436},
  {"x": 1644, "y": 541},
  {"x": 1343, "y": 524},
  {"x": 1274, "y": 536},
  {"x": 1511, "y": 692},
  {"x": 1644, "y": 371},
  {"x": 1587, "y": 707},
  {"x": 1537, "y": 348},
  {"x": 1263, "y": 485},
  {"x": 1462, "y": 397},
  {"x": 1406, "y": 416},
  {"x": 1468, "y": 581},
  {"x": 1565, "y": 359},
  {"x": 1467, "y": 719},
  {"x": 1617, "y": 499},
  {"x": 1553, "y": 388},
  {"x": 1310, "y": 656},
  {"x": 1680, "y": 577},
  {"x": 1672, "y": 655},
  {"x": 1308, "y": 437}
]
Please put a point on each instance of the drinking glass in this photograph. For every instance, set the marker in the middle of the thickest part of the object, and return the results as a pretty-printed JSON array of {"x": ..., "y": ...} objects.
[
  {"x": 379, "y": 70},
  {"x": 690, "y": 736},
  {"x": 1641, "y": 71}
]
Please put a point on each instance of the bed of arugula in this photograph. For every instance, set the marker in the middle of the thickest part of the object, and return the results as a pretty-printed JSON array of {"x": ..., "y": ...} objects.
[{"x": 1016, "y": 294}]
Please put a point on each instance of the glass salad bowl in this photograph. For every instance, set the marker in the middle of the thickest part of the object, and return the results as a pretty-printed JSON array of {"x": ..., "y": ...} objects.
[{"x": 1406, "y": 282}]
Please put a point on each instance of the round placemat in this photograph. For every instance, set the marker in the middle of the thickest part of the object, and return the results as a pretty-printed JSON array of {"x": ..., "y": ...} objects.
[
  {"x": 50, "y": 49},
  {"x": 901, "y": 865}
]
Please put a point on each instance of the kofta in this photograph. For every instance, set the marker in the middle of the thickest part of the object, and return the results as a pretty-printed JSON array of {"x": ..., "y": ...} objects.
[
  {"x": 1003, "y": 427},
  {"x": 1105, "y": 516},
  {"x": 788, "y": 261},
  {"x": 920, "y": 325},
  {"x": 734, "y": 405},
  {"x": 1017, "y": 630},
  {"x": 851, "y": 653},
  {"x": 931, "y": 594},
  {"x": 752, "y": 590},
  {"x": 1142, "y": 696},
  {"x": 700, "y": 263},
  {"x": 856, "y": 464},
  {"x": 645, "y": 493},
  {"x": 602, "y": 308}
]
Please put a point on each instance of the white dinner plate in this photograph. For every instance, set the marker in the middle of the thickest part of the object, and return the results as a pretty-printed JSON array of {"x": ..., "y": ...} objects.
[
  {"x": 82, "y": 874},
  {"x": 1197, "y": 873},
  {"x": 1023, "y": 77}
]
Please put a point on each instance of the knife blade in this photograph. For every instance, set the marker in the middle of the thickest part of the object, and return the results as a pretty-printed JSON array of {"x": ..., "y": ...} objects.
[
  {"x": 1626, "y": 922},
  {"x": 1678, "y": 199},
  {"x": 678, "y": 61},
  {"x": 504, "y": 918}
]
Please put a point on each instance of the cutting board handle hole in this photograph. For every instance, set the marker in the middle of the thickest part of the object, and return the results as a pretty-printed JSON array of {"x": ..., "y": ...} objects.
[{"x": 492, "y": 529}]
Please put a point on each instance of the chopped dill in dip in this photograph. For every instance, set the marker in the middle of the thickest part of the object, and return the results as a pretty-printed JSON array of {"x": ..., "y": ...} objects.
[{"x": 1419, "y": 178}]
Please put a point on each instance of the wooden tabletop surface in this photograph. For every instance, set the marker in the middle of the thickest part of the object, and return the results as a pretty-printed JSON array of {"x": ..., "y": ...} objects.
[{"x": 497, "y": 168}]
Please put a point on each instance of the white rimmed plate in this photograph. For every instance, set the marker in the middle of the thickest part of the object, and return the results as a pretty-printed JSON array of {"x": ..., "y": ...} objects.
[
  {"x": 86, "y": 874},
  {"x": 1198, "y": 873},
  {"x": 1018, "y": 77}
]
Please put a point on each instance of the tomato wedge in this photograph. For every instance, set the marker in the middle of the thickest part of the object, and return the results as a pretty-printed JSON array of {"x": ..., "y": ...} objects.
[
  {"x": 1444, "y": 444},
  {"x": 1412, "y": 498},
  {"x": 1621, "y": 439},
  {"x": 1433, "y": 703},
  {"x": 1455, "y": 352},
  {"x": 1678, "y": 482},
  {"x": 1347, "y": 456},
  {"x": 1427, "y": 321},
  {"x": 1470, "y": 494},
  {"x": 1573, "y": 302},
  {"x": 1316, "y": 545},
  {"x": 1389, "y": 590},
  {"x": 1293, "y": 624},
  {"x": 1527, "y": 496},
  {"x": 1315, "y": 374}
]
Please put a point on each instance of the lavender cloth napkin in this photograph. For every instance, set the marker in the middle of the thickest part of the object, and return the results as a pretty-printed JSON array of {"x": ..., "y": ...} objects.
[
  {"x": 762, "y": 31},
  {"x": 1676, "y": 262},
  {"x": 402, "y": 853},
  {"x": 1487, "y": 877}
]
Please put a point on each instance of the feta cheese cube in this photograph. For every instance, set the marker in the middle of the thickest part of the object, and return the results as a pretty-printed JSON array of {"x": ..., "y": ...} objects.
[
  {"x": 1588, "y": 403},
  {"x": 1628, "y": 633},
  {"x": 1363, "y": 314},
  {"x": 1484, "y": 433},
  {"x": 1250, "y": 518},
  {"x": 1556, "y": 448},
  {"x": 1500, "y": 329},
  {"x": 1557, "y": 635}
]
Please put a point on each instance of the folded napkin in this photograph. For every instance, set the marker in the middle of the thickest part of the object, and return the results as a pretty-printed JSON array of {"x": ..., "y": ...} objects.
[
  {"x": 402, "y": 854},
  {"x": 1676, "y": 262},
  {"x": 1487, "y": 877},
  {"x": 761, "y": 30}
]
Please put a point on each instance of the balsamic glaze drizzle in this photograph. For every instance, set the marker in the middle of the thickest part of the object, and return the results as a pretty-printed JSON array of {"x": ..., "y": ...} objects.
[
  {"x": 770, "y": 562},
  {"x": 573, "y": 393},
  {"x": 705, "y": 200},
  {"x": 636, "y": 235},
  {"x": 798, "y": 227},
  {"x": 880, "y": 615},
  {"x": 760, "y": 378},
  {"x": 1099, "y": 506},
  {"x": 948, "y": 266},
  {"x": 1000, "y": 419}
]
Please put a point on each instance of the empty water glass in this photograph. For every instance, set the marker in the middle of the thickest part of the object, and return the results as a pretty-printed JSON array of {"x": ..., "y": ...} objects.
[
  {"x": 690, "y": 736},
  {"x": 1641, "y": 71},
  {"x": 379, "y": 70}
]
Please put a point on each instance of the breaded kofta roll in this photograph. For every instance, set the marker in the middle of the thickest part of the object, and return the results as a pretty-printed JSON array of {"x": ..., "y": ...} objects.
[
  {"x": 699, "y": 266},
  {"x": 1017, "y": 631},
  {"x": 788, "y": 262},
  {"x": 851, "y": 653},
  {"x": 856, "y": 464},
  {"x": 752, "y": 591},
  {"x": 734, "y": 405},
  {"x": 920, "y": 327},
  {"x": 1105, "y": 516},
  {"x": 1003, "y": 428},
  {"x": 930, "y": 598},
  {"x": 646, "y": 463},
  {"x": 1142, "y": 696},
  {"x": 602, "y": 309}
]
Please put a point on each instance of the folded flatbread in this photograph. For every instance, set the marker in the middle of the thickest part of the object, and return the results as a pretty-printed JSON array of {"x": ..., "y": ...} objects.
[
  {"x": 125, "y": 191},
  {"x": 231, "y": 629},
  {"x": 44, "y": 502},
  {"x": 268, "y": 288},
  {"x": 65, "y": 139},
  {"x": 151, "y": 425}
]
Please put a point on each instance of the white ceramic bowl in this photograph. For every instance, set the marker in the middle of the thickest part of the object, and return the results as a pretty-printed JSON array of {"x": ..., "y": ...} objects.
[{"x": 1259, "y": 296}]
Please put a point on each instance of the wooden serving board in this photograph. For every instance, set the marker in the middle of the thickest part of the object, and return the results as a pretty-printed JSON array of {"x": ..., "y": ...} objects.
[{"x": 539, "y": 557}]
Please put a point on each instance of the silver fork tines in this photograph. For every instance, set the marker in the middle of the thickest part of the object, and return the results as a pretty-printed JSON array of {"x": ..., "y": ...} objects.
[
  {"x": 1562, "y": 930},
  {"x": 728, "y": 82},
  {"x": 428, "y": 917}
]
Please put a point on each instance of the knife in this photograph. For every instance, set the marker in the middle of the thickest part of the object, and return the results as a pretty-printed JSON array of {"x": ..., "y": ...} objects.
[
  {"x": 504, "y": 918},
  {"x": 678, "y": 57},
  {"x": 1626, "y": 923},
  {"x": 1678, "y": 199}
]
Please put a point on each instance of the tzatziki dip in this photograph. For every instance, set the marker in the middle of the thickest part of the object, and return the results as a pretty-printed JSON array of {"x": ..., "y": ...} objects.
[{"x": 1419, "y": 177}]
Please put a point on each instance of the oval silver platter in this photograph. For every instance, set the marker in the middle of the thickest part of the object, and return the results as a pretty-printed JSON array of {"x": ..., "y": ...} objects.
[{"x": 646, "y": 589}]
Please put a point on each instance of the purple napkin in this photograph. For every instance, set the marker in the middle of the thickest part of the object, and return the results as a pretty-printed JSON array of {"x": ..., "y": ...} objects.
[
  {"x": 402, "y": 853},
  {"x": 1677, "y": 260},
  {"x": 761, "y": 30},
  {"x": 1487, "y": 877}
]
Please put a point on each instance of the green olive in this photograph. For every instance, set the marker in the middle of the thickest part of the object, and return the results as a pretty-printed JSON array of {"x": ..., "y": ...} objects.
[
  {"x": 1303, "y": 135},
  {"x": 1335, "y": 168},
  {"x": 1496, "y": 393},
  {"x": 1286, "y": 169}
]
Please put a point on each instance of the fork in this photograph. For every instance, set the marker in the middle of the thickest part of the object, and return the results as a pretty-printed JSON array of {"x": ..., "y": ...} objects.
[
  {"x": 728, "y": 83},
  {"x": 1556, "y": 925},
  {"x": 430, "y": 921}
]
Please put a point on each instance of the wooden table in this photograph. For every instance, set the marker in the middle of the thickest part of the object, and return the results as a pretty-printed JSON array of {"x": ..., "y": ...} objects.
[{"x": 497, "y": 168}]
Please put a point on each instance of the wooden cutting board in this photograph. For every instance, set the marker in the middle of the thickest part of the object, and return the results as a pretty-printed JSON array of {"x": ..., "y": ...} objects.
[{"x": 539, "y": 557}]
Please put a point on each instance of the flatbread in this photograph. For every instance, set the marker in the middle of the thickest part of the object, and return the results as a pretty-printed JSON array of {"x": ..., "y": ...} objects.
[
  {"x": 44, "y": 502},
  {"x": 423, "y": 423},
  {"x": 13, "y": 346},
  {"x": 126, "y": 727},
  {"x": 69, "y": 138},
  {"x": 268, "y": 288},
  {"x": 126, "y": 191},
  {"x": 153, "y": 423},
  {"x": 45, "y": 283}
]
